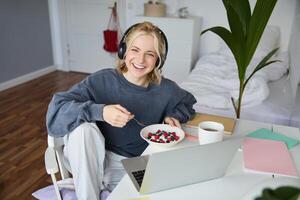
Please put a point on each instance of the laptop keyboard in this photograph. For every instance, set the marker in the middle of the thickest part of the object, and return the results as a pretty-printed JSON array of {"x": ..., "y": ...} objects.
[{"x": 139, "y": 175}]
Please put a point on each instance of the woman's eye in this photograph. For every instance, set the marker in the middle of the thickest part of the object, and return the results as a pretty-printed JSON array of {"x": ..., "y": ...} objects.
[
  {"x": 134, "y": 50},
  {"x": 150, "y": 54}
]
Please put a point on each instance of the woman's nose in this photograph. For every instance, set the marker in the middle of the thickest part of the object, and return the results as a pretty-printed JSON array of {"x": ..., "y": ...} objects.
[{"x": 141, "y": 58}]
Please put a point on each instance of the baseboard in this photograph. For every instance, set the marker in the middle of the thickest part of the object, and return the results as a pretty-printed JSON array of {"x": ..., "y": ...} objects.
[{"x": 26, "y": 77}]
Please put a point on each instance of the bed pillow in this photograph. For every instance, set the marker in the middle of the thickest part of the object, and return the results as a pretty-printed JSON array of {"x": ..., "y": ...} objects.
[
  {"x": 275, "y": 70},
  {"x": 269, "y": 41}
]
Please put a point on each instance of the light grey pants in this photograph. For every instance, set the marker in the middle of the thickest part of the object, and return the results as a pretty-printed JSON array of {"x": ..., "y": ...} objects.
[{"x": 93, "y": 168}]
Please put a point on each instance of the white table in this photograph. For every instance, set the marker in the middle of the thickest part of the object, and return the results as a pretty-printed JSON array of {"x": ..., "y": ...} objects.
[{"x": 236, "y": 184}]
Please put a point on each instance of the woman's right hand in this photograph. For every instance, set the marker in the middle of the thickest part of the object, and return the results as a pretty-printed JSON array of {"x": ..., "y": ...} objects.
[{"x": 116, "y": 115}]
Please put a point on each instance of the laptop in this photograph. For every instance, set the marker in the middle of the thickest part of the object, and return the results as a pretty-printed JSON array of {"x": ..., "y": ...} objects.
[{"x": 179, "y": 167}]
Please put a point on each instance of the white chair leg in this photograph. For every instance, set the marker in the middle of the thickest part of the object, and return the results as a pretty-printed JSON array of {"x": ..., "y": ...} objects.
[
  {"x": 56, "y": 187},
  {"x": 60, "y": 159},
  {"x": 52, "y": 168}
]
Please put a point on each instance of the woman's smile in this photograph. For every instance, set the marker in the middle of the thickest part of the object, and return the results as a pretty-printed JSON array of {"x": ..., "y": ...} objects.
[{"x": 138, "y": 66}]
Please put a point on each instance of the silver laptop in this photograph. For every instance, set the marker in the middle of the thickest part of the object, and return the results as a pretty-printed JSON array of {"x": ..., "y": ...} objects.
[{"x": 170, "y": 169}]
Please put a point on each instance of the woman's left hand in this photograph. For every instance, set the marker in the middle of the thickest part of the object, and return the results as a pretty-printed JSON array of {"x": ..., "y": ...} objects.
[{"x": 172, "y": 122}]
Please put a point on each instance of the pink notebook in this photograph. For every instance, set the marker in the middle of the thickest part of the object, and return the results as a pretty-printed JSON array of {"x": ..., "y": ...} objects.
[{"x": 268, "y": 156}]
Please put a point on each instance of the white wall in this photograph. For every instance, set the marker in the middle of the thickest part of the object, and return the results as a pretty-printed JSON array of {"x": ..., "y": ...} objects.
[
  {"x": 294, "y": 51},
  {"x": 213, "y": 13},
  {"x": 25, "y": 41}
]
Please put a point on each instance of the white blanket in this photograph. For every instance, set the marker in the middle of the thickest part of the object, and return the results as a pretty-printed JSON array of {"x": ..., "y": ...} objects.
[{"x": 214, "y": 80}]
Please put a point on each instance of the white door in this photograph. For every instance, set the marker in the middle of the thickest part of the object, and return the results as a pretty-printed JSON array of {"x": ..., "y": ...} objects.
[{"x": 85, "y": 21}]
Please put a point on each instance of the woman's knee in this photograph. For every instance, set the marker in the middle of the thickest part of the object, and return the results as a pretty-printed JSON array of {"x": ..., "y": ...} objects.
[{"x": 87, "y": 132}]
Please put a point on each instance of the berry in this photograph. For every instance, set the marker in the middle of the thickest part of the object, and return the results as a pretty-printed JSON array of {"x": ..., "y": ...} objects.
[{"x": 161, "y": 136}]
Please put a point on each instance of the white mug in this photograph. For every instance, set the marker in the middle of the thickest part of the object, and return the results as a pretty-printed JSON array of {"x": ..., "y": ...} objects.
[{"x": 210, "y": 132}]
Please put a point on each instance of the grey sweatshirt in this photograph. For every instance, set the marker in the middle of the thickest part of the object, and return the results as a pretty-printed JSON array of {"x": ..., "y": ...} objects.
[{"x": 84, "y": 102}]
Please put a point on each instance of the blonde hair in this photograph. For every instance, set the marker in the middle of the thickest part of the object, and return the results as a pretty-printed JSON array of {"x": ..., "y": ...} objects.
[{"x": 145, "y": 28}]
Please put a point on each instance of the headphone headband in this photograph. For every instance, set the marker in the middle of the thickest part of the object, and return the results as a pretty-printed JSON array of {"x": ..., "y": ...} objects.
[{"x": 123, "y": 47}]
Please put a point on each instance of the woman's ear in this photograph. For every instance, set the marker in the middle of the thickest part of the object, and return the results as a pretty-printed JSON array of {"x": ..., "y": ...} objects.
[{"x": 157, "y": 62}]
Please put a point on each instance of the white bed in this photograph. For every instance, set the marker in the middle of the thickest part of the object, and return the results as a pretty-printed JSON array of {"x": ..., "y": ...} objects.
[
  {"x": 277, "y": 108},
  {"x": 295, "y": 117},
  {"x": 270, "y": 96}
]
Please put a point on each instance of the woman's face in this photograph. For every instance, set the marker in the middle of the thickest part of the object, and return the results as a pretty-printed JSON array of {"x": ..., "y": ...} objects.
[{"x": 140, "y": 59}]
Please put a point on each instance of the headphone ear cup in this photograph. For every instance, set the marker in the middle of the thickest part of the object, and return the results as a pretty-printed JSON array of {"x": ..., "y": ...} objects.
[
  {"x": 122, "y": 50},
  {"x": 161, "y": 64}
]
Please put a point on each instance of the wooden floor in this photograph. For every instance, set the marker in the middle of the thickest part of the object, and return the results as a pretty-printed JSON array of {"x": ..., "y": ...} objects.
[{"x": 23, "y": 135}]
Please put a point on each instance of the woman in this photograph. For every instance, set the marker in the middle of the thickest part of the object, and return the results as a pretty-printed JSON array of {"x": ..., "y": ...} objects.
[{"x": 96, "y": 115}]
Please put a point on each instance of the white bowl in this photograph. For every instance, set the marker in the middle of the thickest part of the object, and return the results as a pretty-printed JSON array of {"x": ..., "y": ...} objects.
[{"x": 163, "y": 127}]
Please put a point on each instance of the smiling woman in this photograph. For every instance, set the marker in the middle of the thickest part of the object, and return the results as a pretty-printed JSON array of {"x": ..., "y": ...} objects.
[
  {"x": 140, "y": 60},
  {"x": 153, "y": 46},
  {"x": 97, "y": 114}
]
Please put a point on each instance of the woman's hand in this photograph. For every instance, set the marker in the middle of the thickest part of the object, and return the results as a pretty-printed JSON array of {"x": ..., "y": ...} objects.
[
  {"x": 116, "y": 115},
  {"x": 172, "y": 122}
]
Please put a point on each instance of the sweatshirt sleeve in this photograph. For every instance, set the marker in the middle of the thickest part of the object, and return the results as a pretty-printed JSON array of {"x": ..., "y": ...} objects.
[
  {"x": 69, "y": 109},
  {"x": 181, "y": 105}
]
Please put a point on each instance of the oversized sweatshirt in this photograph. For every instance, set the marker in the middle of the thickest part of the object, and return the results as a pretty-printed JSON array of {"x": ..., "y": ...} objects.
[{"x": 84, "y": 102}]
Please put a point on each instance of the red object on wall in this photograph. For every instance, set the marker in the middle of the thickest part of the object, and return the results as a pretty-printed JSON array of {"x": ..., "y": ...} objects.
[{"x": 111, "y": 42}]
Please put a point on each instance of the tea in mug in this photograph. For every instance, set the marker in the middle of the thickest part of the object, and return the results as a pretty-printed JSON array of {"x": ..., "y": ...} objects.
[{"x": 209, "y": 129}]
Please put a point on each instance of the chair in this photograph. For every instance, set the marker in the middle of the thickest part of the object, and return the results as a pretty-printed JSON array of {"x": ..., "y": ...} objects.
[{"x": 55, "y": 162}]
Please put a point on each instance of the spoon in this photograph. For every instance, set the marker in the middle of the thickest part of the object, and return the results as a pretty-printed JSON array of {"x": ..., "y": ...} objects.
[{"x": 138, "y": 122}]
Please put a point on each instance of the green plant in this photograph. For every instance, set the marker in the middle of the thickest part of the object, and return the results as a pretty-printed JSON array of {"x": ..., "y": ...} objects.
[
  {"x": 243, "y": 37},
  {"x": 281, "y": 193}
]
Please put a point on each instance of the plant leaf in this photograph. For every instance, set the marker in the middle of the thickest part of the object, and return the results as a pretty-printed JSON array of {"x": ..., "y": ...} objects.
[
  {"x": 238, "y": 15},
  {"x": 243, "y": 11},
  {"x": 283, "y": 192},
  {"x": 259, "y": 19},
  {"x": 263, "y": 63},
  {"x": 237, "y": 31},
  {"x": 244, "y": 35},
  {"x": 234, "y": 106},
  {"x": 287, "y": 192},
  {"x": 228, "y": 38},
  {"x": 235, "y": 23}
]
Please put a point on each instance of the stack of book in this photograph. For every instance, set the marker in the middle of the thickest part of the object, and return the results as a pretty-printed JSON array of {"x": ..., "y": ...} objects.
[
  {"x": 267, "y": 152},
  {"x": 229, "y": 123}
]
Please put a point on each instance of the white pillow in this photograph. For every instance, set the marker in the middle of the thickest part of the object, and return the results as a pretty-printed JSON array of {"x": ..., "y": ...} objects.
[
  {"x": 273, "y": 71},
  {"x": 269, "y": 41}
]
